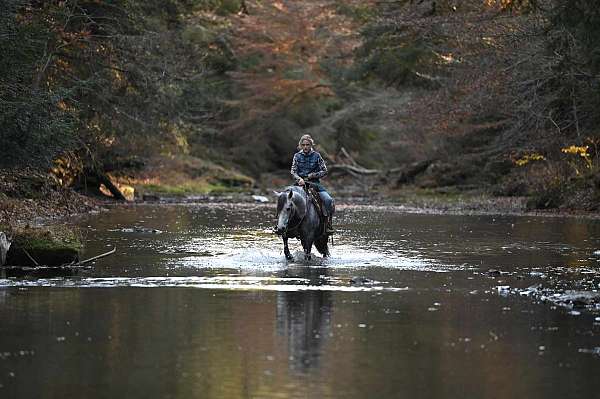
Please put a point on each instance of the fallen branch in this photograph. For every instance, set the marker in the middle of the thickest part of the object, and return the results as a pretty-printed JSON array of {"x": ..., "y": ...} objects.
[
  {"x": 349, "y": 157},
  {"x": 30, "y": 257},
  {"x": 83, "y": 262}
]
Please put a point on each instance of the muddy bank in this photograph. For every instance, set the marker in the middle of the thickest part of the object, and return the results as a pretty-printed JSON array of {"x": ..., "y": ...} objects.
[{"x": 28, "y": 197}]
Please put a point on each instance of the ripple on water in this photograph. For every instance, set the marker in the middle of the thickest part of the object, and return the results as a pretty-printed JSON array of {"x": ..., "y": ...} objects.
[{"x": 218, "y": 282}]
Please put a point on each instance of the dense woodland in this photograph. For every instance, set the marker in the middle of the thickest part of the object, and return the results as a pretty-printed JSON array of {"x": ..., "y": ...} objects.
[{"x": 191, "y": 96}]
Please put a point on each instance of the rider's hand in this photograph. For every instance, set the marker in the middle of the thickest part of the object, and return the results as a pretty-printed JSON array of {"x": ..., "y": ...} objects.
[
  {"x": 301, "y": 182},
  {"x": 310, "y": 176}
]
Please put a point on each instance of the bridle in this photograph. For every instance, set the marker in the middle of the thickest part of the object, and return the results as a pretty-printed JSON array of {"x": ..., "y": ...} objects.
[{"x": 292, "y": 213}]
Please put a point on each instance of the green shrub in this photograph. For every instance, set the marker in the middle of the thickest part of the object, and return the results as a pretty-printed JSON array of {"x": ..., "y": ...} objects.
[
  {"x": 394, "y": 54},
  {"x": 35, "y": 124}
]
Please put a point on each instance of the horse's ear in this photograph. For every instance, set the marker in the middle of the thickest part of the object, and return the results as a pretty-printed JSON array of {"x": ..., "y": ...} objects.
[
  {"x": 276, "y": 193},
  {"x": 291, "y": 194}
]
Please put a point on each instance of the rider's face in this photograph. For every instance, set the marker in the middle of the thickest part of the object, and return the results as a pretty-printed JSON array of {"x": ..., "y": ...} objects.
[{"x": 306, "y": 146}]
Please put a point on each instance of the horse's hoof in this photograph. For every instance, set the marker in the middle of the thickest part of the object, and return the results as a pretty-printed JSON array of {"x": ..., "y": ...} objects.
[{"x": 289, "y": 257}]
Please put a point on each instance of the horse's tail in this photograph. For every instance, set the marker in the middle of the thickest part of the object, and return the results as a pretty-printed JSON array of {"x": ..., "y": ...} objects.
[{"x": 322, "y": 246}]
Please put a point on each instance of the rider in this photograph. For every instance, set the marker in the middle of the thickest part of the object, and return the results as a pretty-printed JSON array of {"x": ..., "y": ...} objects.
[{"x": 309, "y": 166}]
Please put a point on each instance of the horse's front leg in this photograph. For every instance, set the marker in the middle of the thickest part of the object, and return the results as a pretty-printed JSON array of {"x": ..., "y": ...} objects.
[
  {"x": 286, "y": 249},
  {"x": 307, "y": 245}
]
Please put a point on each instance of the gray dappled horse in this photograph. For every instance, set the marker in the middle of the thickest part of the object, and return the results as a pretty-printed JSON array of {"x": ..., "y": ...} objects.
[{"x": 298, "y": 217}]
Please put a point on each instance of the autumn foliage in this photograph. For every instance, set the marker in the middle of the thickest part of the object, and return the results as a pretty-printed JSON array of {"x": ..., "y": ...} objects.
[
  {"x": 461, "y": 90},
  {"x": 283, "y": 49}
]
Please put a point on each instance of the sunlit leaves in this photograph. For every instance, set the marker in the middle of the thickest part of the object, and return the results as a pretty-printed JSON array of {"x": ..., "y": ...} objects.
[
  {"x": 527, "y": 158},
  {"x": 582, "y": 153}
]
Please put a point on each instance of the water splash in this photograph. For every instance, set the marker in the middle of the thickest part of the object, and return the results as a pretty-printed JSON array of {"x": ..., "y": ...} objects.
[{"x": 246, "y": 251}]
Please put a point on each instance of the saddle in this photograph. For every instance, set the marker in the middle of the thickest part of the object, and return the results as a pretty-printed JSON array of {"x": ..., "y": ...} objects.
[{"x": 315, "y": 198}]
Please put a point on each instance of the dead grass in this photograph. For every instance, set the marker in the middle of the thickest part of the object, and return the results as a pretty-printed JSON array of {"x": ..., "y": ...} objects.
[{"x": 185, "y": 175}]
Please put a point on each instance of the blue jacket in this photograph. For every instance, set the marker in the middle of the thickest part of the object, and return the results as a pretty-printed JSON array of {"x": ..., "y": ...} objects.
[{"x": 309, "y": 166}]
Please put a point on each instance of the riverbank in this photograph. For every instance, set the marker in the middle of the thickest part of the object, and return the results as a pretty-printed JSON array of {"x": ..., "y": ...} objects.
[{"x": 58, "y": 204}]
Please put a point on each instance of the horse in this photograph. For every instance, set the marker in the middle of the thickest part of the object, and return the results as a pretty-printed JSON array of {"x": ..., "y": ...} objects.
[{"x": 298, "y": 217}]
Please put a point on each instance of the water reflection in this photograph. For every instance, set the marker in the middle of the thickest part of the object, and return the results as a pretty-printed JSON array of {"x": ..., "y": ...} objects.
[{"x": 303, "y": 320}]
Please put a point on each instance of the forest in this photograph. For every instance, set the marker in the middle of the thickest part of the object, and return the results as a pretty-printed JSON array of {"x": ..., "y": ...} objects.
[
  {"x": 151, "y": 247},
  {"x": 128, "y": 98}
]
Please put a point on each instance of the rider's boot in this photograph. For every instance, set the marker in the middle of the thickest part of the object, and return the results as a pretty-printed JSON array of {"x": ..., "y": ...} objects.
[{"x": 329, "y": 229}]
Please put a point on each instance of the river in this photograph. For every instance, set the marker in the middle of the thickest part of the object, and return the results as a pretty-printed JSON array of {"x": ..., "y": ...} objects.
[{"x": 199, "y": 302}]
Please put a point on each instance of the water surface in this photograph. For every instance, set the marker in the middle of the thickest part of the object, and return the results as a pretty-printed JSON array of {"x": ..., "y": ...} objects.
[{"x": 199, "y": 301}]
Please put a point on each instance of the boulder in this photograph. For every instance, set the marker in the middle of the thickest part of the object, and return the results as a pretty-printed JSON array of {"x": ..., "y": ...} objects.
[{"x": 44, "y": 246}]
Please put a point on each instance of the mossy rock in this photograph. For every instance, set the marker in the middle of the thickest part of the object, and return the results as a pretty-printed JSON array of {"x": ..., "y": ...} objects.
[{"x": 49, "y": 246}]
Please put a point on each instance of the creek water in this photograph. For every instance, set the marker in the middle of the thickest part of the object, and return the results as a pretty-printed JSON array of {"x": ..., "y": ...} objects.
[{"x": 199, "y": 302}]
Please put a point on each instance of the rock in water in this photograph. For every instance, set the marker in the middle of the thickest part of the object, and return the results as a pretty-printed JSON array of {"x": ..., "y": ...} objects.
[
  {"x": 4, "y": 246},
  {"x": 358, "y": 280},
  {"x": 260, "y": 198},
  {"x": 44, "y": 246}
]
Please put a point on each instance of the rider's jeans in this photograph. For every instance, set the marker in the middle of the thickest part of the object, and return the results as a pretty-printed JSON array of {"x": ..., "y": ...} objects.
[{"x": 327, "y": 201}]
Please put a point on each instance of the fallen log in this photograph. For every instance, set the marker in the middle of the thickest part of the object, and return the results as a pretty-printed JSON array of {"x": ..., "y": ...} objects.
[
  {"x": 92, "y": 179},
  {"x": 407, "y": 174},
  {"x": 354, "y": 170},
  {"x": 112, "y": 251}
]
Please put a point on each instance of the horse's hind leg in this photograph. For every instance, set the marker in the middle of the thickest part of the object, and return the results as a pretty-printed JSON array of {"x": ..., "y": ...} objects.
[
  {"x": 306, "y": 248},
  {"x": 322, "y": 246},
  {"x": 286, "y": 249}
]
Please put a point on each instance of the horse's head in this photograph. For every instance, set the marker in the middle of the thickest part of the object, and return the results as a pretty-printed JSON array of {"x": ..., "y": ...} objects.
[
  {"x": 285, "y": 210},
  {"x": 291, "y": 208}
]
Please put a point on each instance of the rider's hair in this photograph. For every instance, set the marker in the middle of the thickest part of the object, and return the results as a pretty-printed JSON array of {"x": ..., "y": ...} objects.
[{"x": 305, "y": 137}]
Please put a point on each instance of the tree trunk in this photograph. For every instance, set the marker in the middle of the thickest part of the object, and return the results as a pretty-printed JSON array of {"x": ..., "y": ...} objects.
[
  {"x": 92, "y": 179},
  {"x": 4, "y": 246}
]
